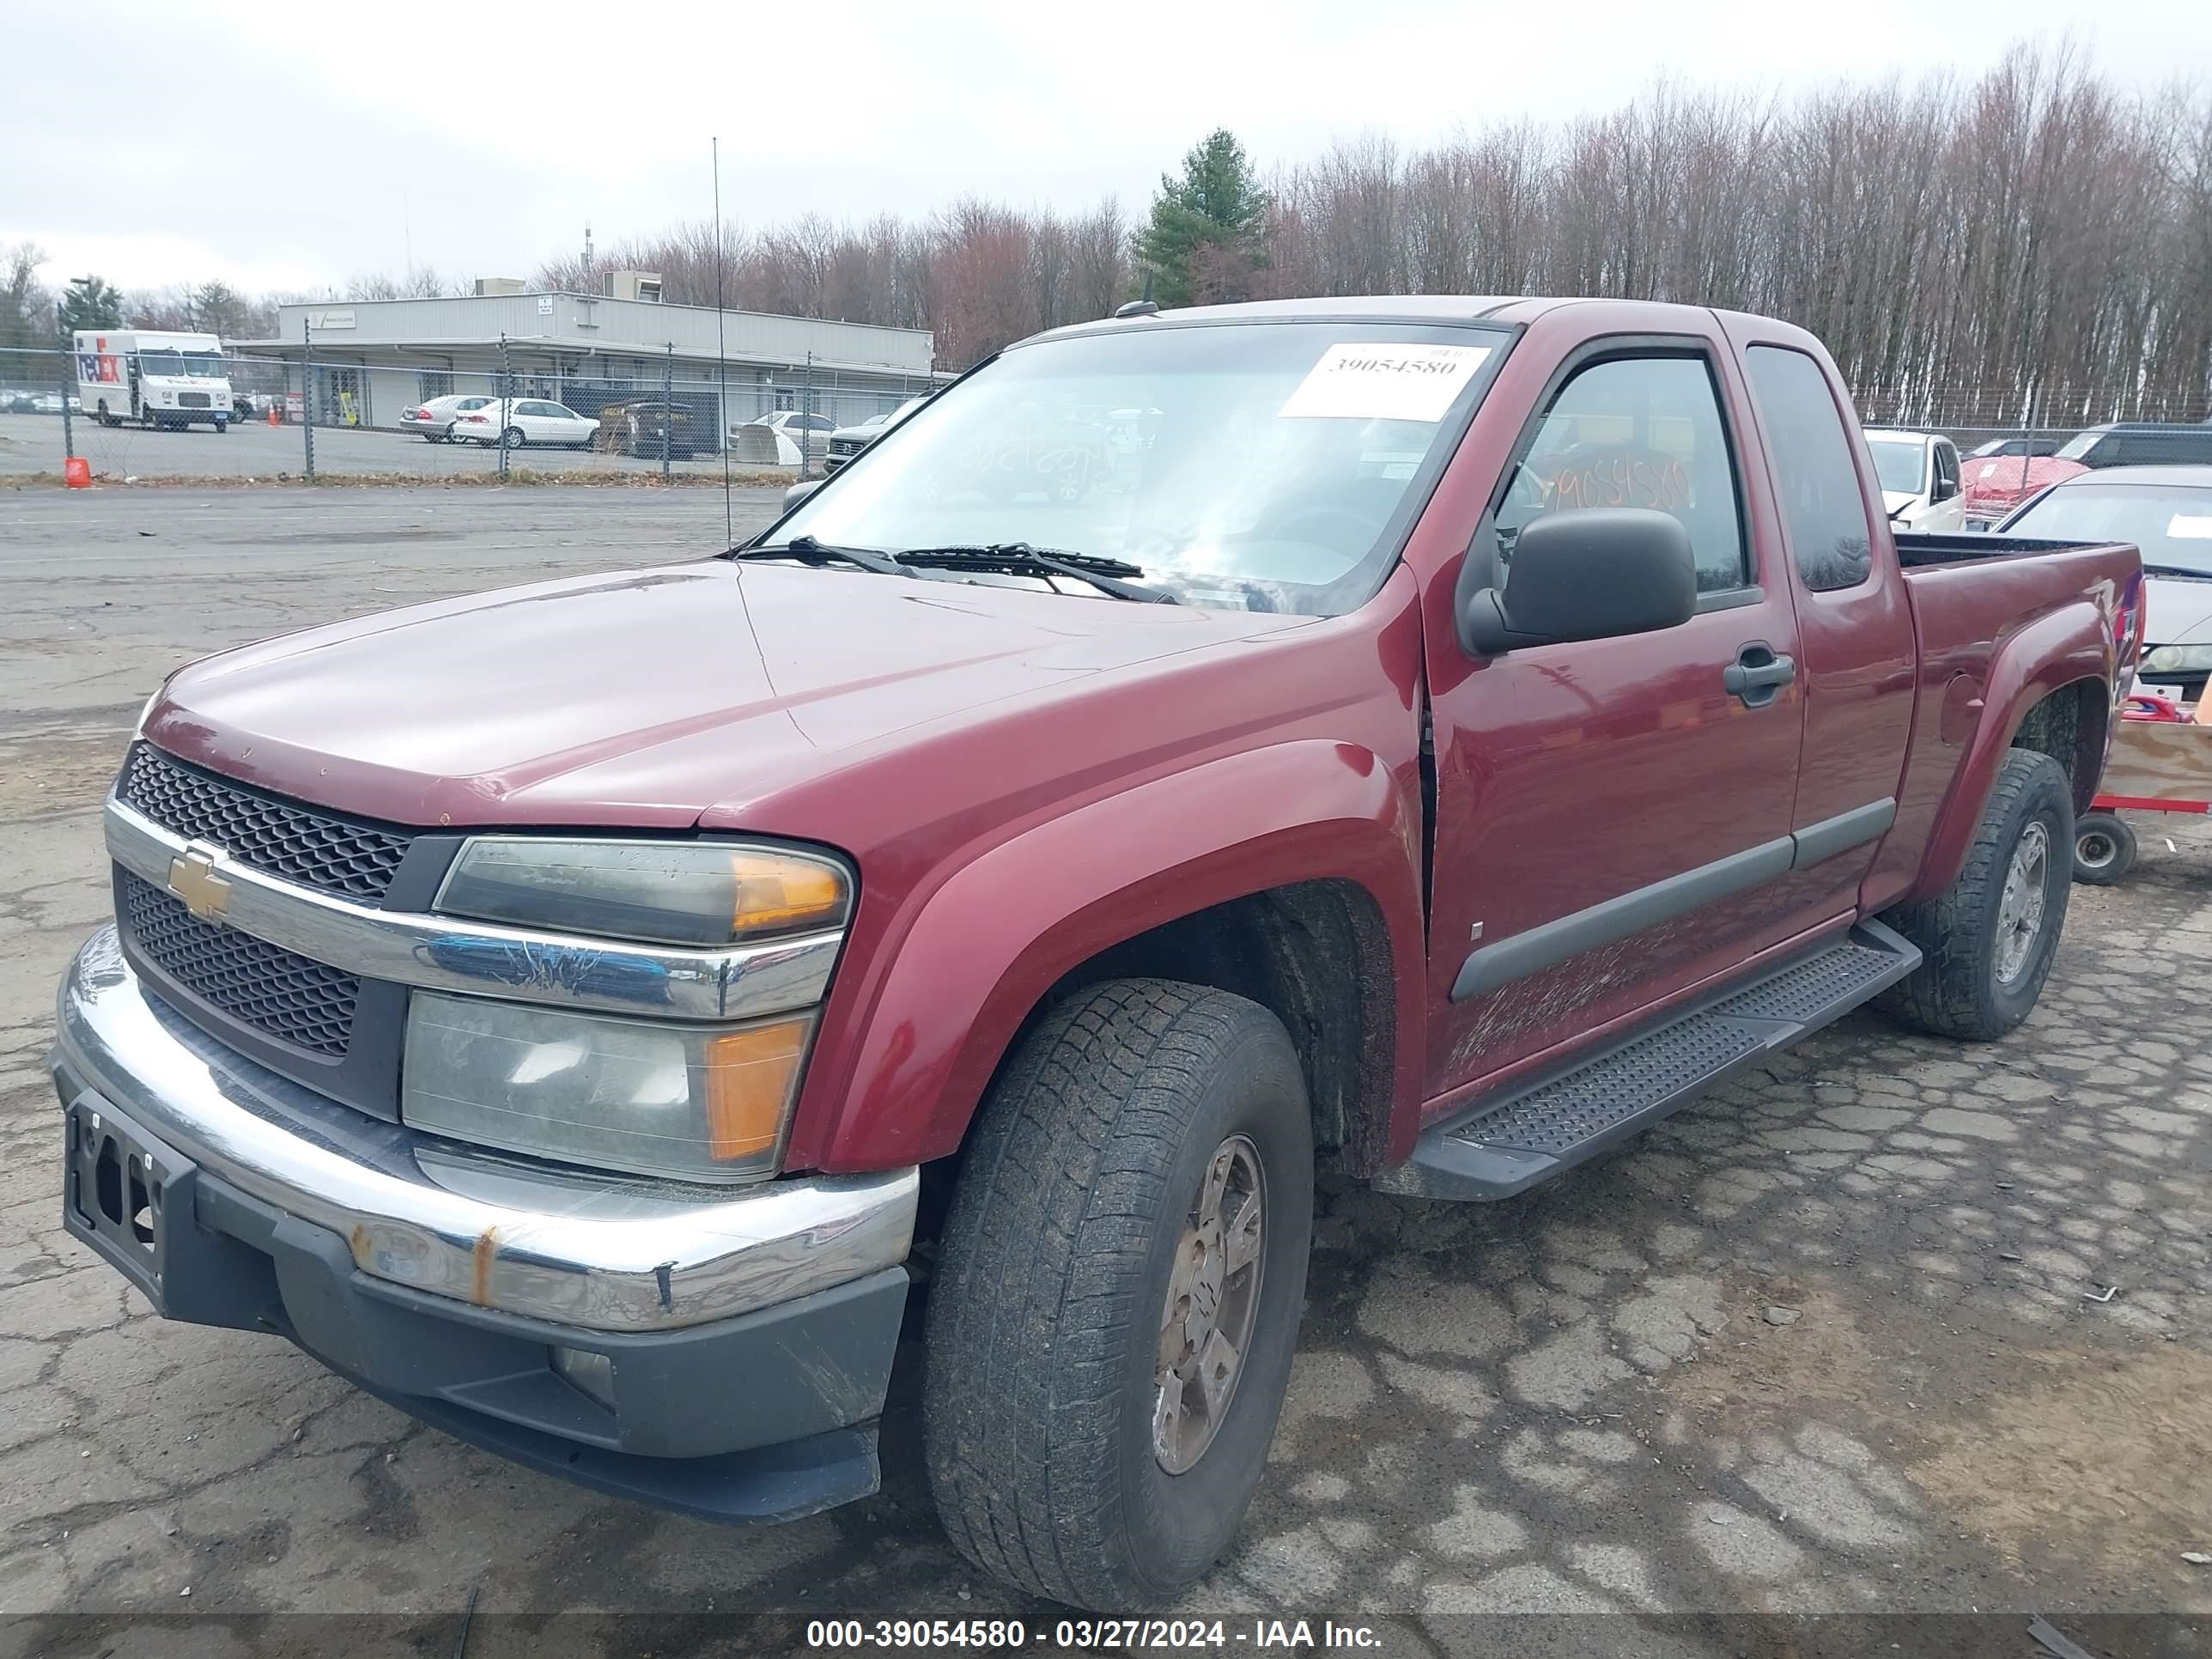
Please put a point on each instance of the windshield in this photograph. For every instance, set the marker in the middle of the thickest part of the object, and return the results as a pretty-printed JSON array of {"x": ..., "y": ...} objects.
[
  {"x": 193, "y": 365},
  {"x": 1255, "y": 466},
  {"x": 2171, "y": 524},
  {"x": 2077, "y": 447},
  {"x": 1900, "y": 463}
]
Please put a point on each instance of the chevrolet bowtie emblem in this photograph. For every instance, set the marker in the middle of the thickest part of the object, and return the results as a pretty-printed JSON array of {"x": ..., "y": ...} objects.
[{"x": 192, "y": 879}]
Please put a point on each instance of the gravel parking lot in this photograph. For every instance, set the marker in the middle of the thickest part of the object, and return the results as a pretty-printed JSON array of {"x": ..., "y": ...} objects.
[
  {"x": 1893, "y": 1329},
  {"x": 33, "y": 443}
]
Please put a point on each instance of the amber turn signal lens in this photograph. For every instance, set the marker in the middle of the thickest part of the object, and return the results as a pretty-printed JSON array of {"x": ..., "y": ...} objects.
[
  {"x": 777, "y": 892},
  {"x": 748, "y": 1080}
]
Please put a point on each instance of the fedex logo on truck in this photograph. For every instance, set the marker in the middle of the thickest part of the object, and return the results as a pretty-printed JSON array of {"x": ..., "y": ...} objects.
[{"x": 98, "y": 365}]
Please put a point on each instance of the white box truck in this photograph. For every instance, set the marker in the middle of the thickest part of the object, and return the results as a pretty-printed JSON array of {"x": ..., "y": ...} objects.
[{"x": 154, "y": 377}]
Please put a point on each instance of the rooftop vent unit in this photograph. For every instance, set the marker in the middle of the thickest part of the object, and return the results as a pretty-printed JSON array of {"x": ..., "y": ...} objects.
[
  {"x": 634, "y": 285},
  {"x": 491, "y": 285}
]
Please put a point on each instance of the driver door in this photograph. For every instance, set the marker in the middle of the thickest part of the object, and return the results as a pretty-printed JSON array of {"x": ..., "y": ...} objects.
[{"x": 1611, "y": 818}]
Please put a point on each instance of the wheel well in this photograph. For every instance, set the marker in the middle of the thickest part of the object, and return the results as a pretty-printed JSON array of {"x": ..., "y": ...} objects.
[
  {"x": 1315, "y": 954},
  {"x": 2069, "y": 726}
]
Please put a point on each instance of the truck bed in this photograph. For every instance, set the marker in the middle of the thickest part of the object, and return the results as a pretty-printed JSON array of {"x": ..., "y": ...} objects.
[
  {"x": 1993, "y": 615},
  {"x": 1917, "y": 550}
]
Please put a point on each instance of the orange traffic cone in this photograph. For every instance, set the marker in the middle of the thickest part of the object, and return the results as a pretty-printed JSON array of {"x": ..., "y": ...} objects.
[
  {"x": 273, "y": 421},
  {"x": 77, "y": 473}
]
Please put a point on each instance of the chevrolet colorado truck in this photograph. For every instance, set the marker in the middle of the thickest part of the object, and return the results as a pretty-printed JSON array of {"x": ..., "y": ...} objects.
[{"x": 619, "y": 1020}]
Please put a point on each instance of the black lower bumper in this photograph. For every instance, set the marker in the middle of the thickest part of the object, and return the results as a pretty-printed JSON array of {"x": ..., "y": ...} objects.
[{"x": 767, "y": 1416}]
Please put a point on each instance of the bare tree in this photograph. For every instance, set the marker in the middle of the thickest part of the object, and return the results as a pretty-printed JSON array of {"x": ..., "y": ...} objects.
[{"x": 2033, "y": 242}]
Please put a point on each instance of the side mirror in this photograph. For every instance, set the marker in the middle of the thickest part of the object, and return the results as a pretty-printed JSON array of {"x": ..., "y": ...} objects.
[
  {"x": 1585, "y": 573},
  {"x": 799, "y": 492}
]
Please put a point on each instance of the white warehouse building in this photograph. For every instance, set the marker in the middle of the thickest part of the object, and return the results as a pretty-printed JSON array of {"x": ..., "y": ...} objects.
[{"x": 372, "y": 359}]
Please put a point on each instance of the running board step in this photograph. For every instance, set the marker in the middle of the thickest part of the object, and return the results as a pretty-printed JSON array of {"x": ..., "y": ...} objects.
[{"x": 1506, "y": 1142}]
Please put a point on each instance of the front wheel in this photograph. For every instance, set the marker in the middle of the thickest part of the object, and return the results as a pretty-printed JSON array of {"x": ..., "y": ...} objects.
[
  {"x": 1987, "y": 940},
  {"x": 2104, "y": 849},
  {"x": 513, "y": 438},
  {"x": 1116, "y": 1305}
]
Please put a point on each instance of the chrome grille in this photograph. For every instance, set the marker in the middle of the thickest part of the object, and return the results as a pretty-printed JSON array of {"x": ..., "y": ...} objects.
[
  {"x": 314, "y": 849},
  {"x": 287, "y": 996}
]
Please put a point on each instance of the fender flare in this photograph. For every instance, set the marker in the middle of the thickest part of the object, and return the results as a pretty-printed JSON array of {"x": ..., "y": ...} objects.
[
  {"x": 949, "y": 982},
  {"x": 2063, "y": 647}
]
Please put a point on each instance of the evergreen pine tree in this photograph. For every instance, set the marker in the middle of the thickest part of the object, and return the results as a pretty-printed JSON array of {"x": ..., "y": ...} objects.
[{"x": 1203, "y": 240}]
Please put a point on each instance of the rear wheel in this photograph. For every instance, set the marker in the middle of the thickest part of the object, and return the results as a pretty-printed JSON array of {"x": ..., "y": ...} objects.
[
  {"x": 1112, "y": 1322},
  {"x": 2104, "y": 849},
  {"x": 513, "y": 438},
  {"x": 1987, "y": 940}
]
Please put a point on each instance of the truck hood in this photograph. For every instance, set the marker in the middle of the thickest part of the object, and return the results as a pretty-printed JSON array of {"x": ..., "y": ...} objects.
[
  {"x": 644, "y": 698},
  {"x": 2001, "y": 481},
  {"x": 2180, "y": 611}
]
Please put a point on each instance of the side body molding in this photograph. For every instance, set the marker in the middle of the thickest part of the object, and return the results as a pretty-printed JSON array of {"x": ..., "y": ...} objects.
[{"x": 1615, "y": 918}]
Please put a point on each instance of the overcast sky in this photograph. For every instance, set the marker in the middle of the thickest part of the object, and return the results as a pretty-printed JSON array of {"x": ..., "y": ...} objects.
[{"x": 275, "y": 145}]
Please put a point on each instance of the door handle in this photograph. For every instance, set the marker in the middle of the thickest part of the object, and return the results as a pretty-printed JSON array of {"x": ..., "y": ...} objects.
[{"x": 1758, "y": 674}]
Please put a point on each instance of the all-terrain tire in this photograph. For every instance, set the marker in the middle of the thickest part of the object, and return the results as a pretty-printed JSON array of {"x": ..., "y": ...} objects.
[
  {"x": 1044, "y": 1337},
  {"x": 1958, "y": 990}
]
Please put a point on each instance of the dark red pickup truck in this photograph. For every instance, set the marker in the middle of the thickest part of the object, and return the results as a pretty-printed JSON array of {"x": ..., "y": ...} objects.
[{"x": 1428, "y": 738}]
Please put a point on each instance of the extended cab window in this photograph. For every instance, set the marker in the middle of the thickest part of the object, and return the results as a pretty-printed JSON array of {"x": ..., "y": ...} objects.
[
  {"x": 1635, "y": 432},
  {"x": 1822, "y": 504}
]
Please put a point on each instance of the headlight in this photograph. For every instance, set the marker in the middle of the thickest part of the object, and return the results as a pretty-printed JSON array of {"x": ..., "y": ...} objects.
[
  {"x": 2177, "y": 659},
  {"x": 699, "y": 1104},
  {"x": 666, "y": 892}
]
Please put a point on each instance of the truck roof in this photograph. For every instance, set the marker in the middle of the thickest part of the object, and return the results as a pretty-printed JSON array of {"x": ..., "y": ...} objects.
[
  {"x": 158, "y": 339},
  {"x": 1660, "y": 316}
]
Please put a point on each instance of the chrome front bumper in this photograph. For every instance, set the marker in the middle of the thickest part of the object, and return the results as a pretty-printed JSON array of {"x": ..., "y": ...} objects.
[{"x": 601, "y": 1253}]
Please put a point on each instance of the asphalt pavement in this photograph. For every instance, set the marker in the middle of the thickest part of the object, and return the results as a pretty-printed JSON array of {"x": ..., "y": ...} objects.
[{"x": 35, "y": 445}]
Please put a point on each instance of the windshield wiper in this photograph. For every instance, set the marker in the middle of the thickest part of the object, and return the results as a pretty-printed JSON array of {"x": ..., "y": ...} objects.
[
  {"x": 807, "y": 550},
  {"x": 1020, "y": 559},
  {"x": 2189, "y": 572}
]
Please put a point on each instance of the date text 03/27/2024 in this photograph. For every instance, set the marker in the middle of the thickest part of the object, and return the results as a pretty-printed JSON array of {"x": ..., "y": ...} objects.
[{"x": 1090, "y": 1635}]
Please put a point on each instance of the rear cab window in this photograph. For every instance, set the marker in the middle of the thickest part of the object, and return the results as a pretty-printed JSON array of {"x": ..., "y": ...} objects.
[{"x": 1824, "y": 510}]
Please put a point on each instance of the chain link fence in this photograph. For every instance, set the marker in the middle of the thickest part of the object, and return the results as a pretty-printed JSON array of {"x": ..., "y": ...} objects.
[
  {"x": 487, "y": 415},
  {"x": 489, "y": 412}
]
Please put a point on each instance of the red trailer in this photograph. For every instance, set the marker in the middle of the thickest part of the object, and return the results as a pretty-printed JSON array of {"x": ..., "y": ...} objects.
[{"x": 2161, "y": 762}]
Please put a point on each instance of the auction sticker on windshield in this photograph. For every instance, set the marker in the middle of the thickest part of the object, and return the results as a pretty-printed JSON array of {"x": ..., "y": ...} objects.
[
  {"x": 1385, "y": 382},
  {"x": 2191, "y": 526}
]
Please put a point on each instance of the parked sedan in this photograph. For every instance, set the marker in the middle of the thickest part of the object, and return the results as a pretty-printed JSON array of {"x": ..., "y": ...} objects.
[
  {"x": 526, "y": 420},
  {"x": 435, "y": 419},
  {"x": 2168, "y": 512},
  {"x": 1918, "y": 472}
]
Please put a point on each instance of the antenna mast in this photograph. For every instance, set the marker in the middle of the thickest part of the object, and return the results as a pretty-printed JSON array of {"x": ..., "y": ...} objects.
[{"x": 721, "y": 357}]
